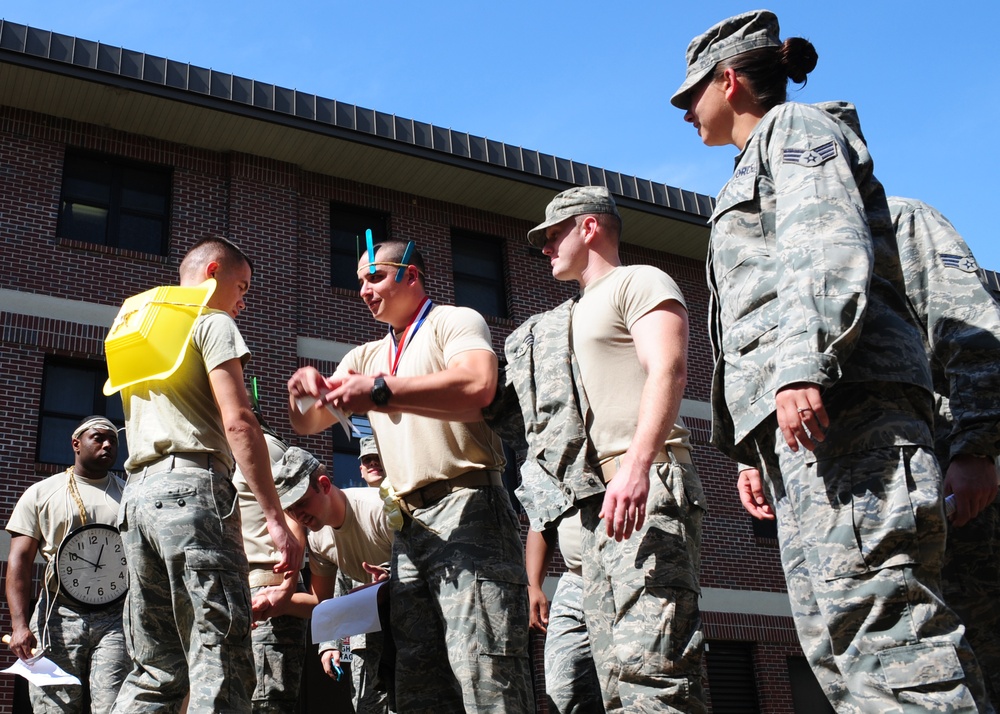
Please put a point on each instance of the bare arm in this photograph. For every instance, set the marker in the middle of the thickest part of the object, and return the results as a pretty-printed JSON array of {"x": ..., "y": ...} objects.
[
  {"x": 661, "y": 338},
  {"x": 457, "y": 393},
  {"x": 22, "y": 555},
  {"x": 273, "y": 601},
  {"x": 537, "y": 555},
  {"x": 250, "y": 450}
]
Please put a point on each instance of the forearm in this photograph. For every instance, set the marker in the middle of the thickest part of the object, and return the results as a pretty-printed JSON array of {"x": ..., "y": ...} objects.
[
  {"x": 538, "y": 554},
  {"x": 465, "y": 388},
  {"x": 19, "y": 594},
  {"x": 659, "y": 409}
]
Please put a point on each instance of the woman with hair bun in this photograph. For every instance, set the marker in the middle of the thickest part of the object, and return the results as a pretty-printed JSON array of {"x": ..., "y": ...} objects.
[{"x": 821, "y": 381}]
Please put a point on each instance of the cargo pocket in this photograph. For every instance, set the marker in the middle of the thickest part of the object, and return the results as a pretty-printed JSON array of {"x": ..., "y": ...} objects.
[
  {"x": 920, "y": 665},
  {"x": 220, "y": 595},
  {"x": 502, "y": 617}
]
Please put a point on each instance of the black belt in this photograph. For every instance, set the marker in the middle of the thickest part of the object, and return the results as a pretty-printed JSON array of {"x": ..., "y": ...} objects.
[{"x": 433, "y": 492}]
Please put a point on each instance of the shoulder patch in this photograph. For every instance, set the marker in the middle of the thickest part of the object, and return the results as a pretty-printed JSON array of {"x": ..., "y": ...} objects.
[
  {"x": 965, "y": 263},
  {"x": 810, "y": 157}
]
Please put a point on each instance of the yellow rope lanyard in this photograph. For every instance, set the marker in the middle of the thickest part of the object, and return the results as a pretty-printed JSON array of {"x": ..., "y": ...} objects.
[{"x": 74, "y": 491}]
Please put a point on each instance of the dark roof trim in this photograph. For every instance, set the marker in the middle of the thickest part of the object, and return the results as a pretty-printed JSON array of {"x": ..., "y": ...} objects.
[{"x": 42, "y": 49}]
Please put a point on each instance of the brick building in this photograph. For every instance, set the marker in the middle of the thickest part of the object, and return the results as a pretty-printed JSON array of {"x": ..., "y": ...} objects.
[{"x": 113, "y": 162}]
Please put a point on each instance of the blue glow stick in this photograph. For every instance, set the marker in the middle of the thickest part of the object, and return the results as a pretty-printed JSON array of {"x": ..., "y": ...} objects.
[
  {"x": 407, "y": 254},
  {"x": 371, "y": 251}
]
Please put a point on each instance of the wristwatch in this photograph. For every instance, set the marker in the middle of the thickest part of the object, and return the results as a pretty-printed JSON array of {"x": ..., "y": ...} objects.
[{"x": 380, "y": 393}]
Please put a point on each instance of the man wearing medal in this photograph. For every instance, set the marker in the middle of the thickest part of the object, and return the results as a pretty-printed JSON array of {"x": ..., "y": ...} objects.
[
  {"x": 77, "y": 622},
  {"x": 461, "y": 624}
]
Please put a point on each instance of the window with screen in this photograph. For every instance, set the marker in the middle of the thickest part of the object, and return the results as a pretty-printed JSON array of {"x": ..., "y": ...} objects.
[
  {"x": 345, "y": 467},
  {"x": 71, "y": 391},
  {"x": 347, "y": 241},
  {"x": 478, "y": 266},
  {"x": 117, "y": 203}
]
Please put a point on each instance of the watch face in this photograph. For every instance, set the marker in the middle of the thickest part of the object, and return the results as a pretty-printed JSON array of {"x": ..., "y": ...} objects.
[{"x": 91, "y": 565}]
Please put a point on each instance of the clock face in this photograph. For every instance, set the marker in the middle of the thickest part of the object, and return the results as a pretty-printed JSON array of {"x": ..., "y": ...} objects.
[{"x": 91, "y": 565}]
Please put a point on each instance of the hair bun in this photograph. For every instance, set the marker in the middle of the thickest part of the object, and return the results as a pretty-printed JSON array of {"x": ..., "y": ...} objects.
[{"x": 799, "y": 58}]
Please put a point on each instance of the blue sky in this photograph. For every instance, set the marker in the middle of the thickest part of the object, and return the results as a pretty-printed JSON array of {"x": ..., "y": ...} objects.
[{"x": 591, "y": 80}]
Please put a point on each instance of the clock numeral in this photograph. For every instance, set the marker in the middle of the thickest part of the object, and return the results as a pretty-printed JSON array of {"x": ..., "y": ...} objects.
[
  {"x": 100, "y": 592},
  {"x": 113, "y": 585},
  {"x": 121, "y": 576},
  {"x": 76, "y": 583},
  {"x": 123, "y": 561},
  {"x": 87, "y": 589},
  {"x": 118, "y": 547},
  {"x": 93, "y": 540},
  {"x": 74, "y": 557},
  {"x": 69, "y": 570}
]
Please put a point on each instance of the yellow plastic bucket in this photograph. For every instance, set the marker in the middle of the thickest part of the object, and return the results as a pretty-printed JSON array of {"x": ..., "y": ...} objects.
[{"x": 150, "y": 335}]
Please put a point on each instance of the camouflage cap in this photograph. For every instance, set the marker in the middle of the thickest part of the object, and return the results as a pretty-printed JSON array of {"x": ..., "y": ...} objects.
[
  {"x": 368, "y": 447},
  {"x": 731, "y": 37},
  {"x": 291, "y": 475},
  {"x": 575, "y": 201}
]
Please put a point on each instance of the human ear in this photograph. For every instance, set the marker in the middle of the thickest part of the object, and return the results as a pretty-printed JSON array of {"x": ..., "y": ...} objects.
[{"x": 729, "y": 83}]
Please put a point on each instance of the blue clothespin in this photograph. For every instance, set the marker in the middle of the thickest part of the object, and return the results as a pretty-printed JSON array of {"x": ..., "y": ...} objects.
[
  {"x": 407, "y": 254},
  {"x": 371, "y": 251}
]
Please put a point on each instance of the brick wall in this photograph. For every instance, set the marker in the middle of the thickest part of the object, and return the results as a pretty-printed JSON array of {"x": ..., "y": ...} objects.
[{"x": 280, "y": 215}]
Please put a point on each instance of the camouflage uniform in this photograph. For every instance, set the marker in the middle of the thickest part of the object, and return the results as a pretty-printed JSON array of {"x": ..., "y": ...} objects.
[
  {"x": 461, "y": 631},
  {"x": 570, "y": 676},
  {"x": 640, "y": 595},
  {"x": 571, "y": 683},
  {"x": 185, "y": 556},
  {"x": 90, "y": 644},
  {"x": 805, "y": 284},
  {"x": 962, "y": 328},
  {"x": 187, "y": 613}
]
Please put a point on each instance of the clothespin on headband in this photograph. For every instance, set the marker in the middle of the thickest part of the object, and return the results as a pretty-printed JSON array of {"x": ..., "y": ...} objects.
[
  {"x": 407, "y": 254},
  {"x": 371, "y": 251}
]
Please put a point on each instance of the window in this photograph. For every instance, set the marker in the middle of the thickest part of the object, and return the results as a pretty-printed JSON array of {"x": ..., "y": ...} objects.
[
  {"x": 346, "y": 469},
  {"x": 807, "y": 695},
  {"x": 71, "y": 391},
  {"x": 479, "y": 273},
  {"x": 731, "y": 680},
  {"x": 347, "y": 241},
  {"x": 107, "y": 201},
  {"x": 764, "y": 529}
]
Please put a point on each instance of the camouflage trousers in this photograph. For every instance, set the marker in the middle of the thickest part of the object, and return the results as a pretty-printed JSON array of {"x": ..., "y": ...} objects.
[
  {"x": 279, "y": 654},
  {"x": 369, "y": 696},
  {"x": 571, "y": 683},
  {"x": 971, "y": 586},
  {"x": 460, "y": 607},
  {"x": 89, "y": 644},
  {"x": 640, "y": 598},
  {"x": 187, "y": 614},
  {"x": 862, "y": 541}
]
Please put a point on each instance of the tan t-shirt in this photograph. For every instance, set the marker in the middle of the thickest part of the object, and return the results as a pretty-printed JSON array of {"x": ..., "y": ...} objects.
[
  {"x": 365, "y": 537},
  {"x": 418, "y": 450},
  {"x": 47, "y": 511},
  {"x": 257, "y": 542},
  {"x": 569, "y": 540},
  {"x": 178, "y": 414},
  {"x": 610, "y": 370}
]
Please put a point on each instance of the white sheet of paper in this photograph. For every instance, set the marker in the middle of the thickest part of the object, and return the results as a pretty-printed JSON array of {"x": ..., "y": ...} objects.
[
  {"x": 42, "y": 673},
  {"x": 352, "y": 614},
  {"x": 303, "y": 404}
]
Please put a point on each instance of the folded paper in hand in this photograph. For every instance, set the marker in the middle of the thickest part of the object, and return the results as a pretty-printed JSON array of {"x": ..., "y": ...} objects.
[{"x": 304, "y": 404}]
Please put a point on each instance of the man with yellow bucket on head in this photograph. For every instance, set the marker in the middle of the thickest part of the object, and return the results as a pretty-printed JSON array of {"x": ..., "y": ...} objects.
[{"x": 188, "y": 612}]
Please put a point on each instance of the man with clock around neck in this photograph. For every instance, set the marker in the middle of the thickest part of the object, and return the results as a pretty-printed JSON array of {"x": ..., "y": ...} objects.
[
  {"x": 458, "y": 585},
  {"x": 86, "y": 640}
]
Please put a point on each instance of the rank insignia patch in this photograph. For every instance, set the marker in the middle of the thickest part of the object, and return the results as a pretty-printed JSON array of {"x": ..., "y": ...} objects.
[
  {"x": 965, "y": 263},
  {"x": 810, "y": 157}
]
